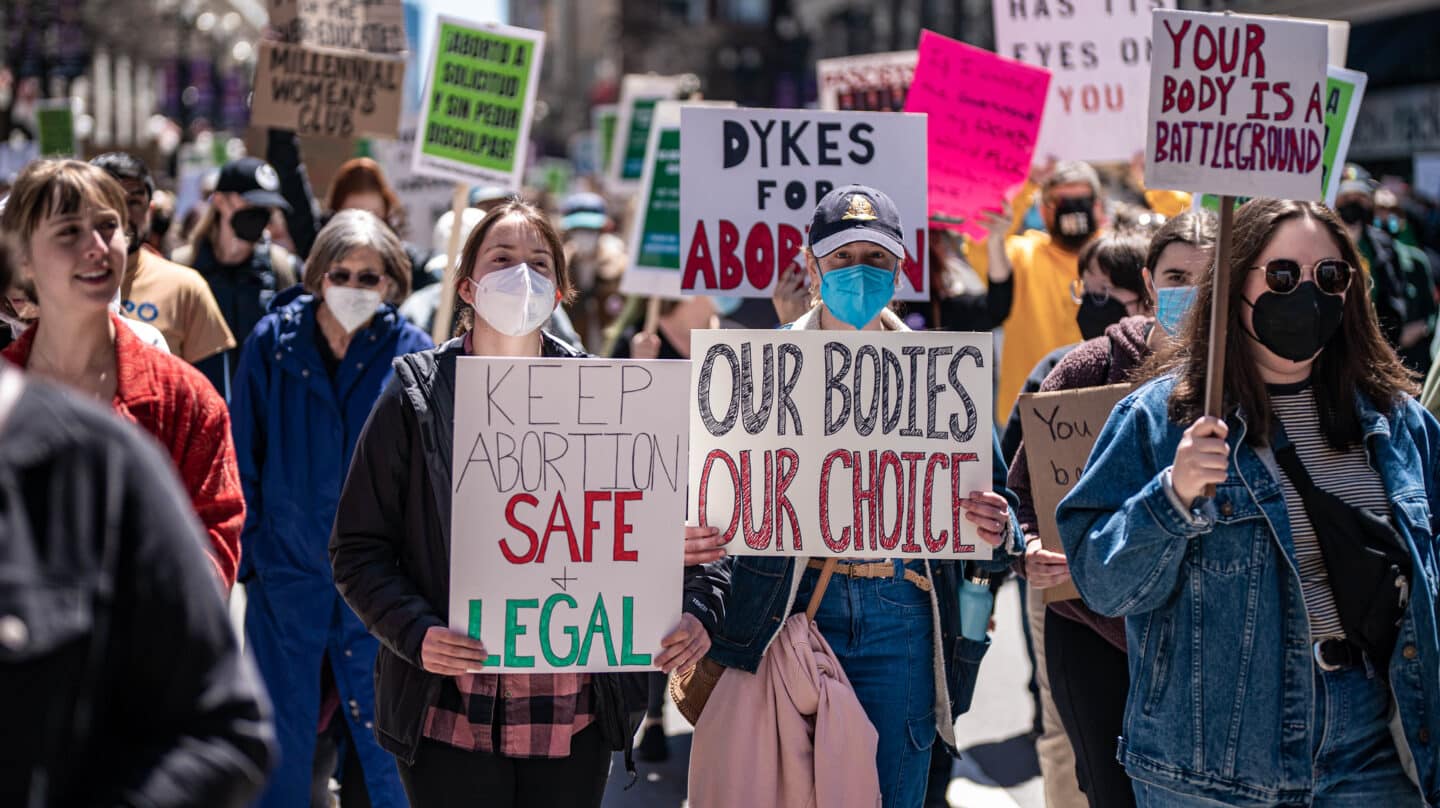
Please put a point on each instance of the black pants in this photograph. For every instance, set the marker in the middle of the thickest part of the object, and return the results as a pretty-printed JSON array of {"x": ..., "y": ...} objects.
[
  {"x": 444, "y": 776},
  {"x": 1089, "y": 679}
]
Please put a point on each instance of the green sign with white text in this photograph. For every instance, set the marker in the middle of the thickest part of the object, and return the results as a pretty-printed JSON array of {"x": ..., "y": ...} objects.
[
  {"x": 660, "y": 233},
  {"x": 56, "y": 122}
]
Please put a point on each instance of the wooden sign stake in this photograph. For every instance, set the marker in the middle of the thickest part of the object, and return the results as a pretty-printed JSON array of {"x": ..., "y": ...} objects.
[
  {"x": 444, "y": 314},
  {"x": 1219, "y": 318}
]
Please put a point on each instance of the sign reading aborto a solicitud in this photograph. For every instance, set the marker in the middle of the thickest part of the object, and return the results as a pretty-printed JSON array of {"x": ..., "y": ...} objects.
[
  {"x": 1237, "y": 105},
  {"x": 479, "y": 96},
  {"x": 751, "y": 178},
  {"x": 840, "y": 444},
  {"x": 567, "y": 510}
]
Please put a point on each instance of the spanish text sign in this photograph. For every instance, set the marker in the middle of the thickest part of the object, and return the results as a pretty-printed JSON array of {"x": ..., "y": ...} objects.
[
  {"x": 840, "y": 444},
  {"x": 750, "y": 180},
  {"x": 566, "y": 549},
  {"x": 1237, "y": 105},
  {"x": 479, "y": 96}
]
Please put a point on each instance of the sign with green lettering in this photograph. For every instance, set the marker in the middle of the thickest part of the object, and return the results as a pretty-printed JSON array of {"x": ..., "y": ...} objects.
[{"x": 479, "y": 97}]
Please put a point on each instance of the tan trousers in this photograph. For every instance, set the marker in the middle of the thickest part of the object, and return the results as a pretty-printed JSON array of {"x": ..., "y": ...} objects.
[{"x": 1057, "y": 758}]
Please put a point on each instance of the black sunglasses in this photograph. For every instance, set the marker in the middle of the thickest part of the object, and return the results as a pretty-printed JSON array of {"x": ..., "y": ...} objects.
[
  {"x": 1284, "y": 275},
  {"x": 341, "y": 277}
]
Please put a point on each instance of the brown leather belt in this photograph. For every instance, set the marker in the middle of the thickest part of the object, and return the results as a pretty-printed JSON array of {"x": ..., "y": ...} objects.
[{"x": 874, "y": 569}]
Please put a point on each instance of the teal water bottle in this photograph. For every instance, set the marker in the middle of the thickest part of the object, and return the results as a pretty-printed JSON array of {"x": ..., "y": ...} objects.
[{"x": 976, "y": 601}]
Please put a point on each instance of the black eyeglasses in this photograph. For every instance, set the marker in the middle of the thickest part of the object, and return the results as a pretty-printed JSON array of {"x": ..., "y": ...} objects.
[
  {"x": 341, "y": 277},
  {"x": 1284, "y": 275}
]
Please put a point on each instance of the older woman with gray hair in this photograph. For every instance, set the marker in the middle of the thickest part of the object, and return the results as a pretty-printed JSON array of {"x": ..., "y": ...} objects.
[{"x": 307, "y": 379}]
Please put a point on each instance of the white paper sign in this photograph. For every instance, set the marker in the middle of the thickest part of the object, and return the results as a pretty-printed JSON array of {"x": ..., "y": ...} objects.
[
  {"x": 1237, "y": 105},
  {"x": 1098, "y": 55},
  {"x": 750, "y": 180},
  {"x": 566, "y": 549},
  {"x": 844, "y": 444},
  {"x": 874, "y": 81}
]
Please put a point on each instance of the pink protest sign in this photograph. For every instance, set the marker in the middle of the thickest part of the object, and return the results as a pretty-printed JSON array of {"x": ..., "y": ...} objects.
[{"x": 985, "y": 114}]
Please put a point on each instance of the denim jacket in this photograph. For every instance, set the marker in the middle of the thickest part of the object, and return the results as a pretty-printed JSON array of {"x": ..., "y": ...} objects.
[{"x": 1221, "y": 666}]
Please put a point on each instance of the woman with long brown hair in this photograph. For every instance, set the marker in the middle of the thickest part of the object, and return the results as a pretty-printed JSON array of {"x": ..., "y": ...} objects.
[{"x": 1281, "y": 631}]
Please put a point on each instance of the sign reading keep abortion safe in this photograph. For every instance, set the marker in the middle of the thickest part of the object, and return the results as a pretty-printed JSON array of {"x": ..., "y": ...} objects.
[
  {"x": 568, "y": 511},
  {"x": 840, "y": 444}
]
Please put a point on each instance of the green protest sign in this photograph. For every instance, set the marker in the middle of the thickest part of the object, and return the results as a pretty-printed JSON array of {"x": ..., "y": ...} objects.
[
  {"x": 638, "y": 96},
  {"x": 479, "y": 95},
  {"x": 605, "y": 116},
  {"x": 56, "y": 123}
]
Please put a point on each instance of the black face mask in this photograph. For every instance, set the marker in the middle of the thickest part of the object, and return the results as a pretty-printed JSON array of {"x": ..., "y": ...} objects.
[
  {"x": 1355, "y": 212},
  {"x": 1296, "y": 326},
  {"x": 1093, "y": 318},
  {"x": 249, "y": 223},
  {"x": 1074, "y": 222}
]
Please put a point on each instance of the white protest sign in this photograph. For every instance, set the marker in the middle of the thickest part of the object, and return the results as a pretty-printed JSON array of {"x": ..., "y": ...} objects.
[
  {"x": 840, "y": 443},
  {"x": 566, "y": 550},
  {"x": 875, "y": 82},
  {"x": 638, "y": 97},
  {"x": 751, "y": 178},
  {"x": 1237, "y": 105},
  {"x": 1098, "y": 55}
]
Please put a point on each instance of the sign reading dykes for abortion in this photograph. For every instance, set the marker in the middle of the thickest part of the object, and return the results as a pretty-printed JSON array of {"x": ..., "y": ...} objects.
[{"x": 840, "y": 444}]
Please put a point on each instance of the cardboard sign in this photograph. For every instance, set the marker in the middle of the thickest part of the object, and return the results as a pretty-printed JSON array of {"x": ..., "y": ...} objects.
[
  {"x": 1060, "y": 430},
  {"x": 1098, "y": 54},
  {"x": 1397, "y": 123},
  {"x": 566, "y": 548},
  {"x": 1236, "y": 105},
  {"x": 55, "y": 122},
  {"x": 876, "y": 82},
  {"x": 638, "y": 96},
  {"x": 984, "y": 117},
  {"x": 334, "y": 94},
  {"x": 375, "y": 26},
  {"x": 840, "y": 443},
  {"x": 1344, "y": 90},
  {"x": 751, "y": 178},
  {"x": 479, "y": 96}
]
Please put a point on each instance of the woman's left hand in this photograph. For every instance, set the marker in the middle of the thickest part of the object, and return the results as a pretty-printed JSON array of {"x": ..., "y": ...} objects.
[
  {"x": 990, "y": 514},
  {"x": 686, "y": 645}
]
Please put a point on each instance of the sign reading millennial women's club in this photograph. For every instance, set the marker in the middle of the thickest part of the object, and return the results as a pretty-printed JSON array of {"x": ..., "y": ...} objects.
[
  {"x": 566, "y": 550},
  {"x": 1237, "y": 105},
  {"x": 843, "y": 444},
  {"x": 750, "y": 180}
]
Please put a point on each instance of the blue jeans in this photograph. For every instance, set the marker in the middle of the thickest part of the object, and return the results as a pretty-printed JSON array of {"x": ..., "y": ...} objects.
[
  {"x": 881, "y": 630},
  {"x": 1356, "y": 763}
]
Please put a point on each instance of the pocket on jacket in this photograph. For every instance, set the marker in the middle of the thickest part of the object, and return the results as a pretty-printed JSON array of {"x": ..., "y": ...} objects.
[
  {"x": 1159, "y": 661},
  {"x": 963, "y": 671},
  {"x": 38, "y": 619}
]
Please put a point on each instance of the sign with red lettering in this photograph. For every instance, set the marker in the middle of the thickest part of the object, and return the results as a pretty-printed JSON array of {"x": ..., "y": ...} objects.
[
  {"x": 875, "y": 82},
  {"x": 750, "y": 180},
  {"x": 840, "y": 443},
  {"x": 1098, "y": 55},
  {"x": 1237, "y": 105},
  {"x": 568, "y": 511}
]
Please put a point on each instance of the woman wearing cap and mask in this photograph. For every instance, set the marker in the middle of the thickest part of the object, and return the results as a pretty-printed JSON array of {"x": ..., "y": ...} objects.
[
  {"x": 883, "y": 630},
  {"x": 390, "y": 555},
  {"x": 309, "y": 375},
  {"x": 1281, "y": 628}
]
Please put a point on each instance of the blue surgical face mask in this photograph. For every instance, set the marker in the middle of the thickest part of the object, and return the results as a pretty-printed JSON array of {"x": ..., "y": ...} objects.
[
  {"x": 1171, "y": 305},
  {"x": 857, "y": 294}
]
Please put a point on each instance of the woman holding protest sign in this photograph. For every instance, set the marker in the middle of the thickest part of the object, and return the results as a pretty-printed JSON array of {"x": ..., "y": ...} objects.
[
  {"x": 887, "y": 630},
  {"x": 1281, "y": 625},
  {"x": 1084, "y": 653},
  {"x": 477, "y": 738}
]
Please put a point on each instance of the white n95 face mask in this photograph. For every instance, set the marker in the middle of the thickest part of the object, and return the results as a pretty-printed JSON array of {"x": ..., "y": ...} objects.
[
  {"x": 515, "y": 301},
  {"x": 352, "y": 306}
]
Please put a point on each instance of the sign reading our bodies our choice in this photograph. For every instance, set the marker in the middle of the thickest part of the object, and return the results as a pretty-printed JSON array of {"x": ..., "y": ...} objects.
[
  {"x": 840, "y": 444},
  {"x": 1237, "y": 105},
  {"x": 567, "y": 511},
  {"x": 751, "y": 178}
]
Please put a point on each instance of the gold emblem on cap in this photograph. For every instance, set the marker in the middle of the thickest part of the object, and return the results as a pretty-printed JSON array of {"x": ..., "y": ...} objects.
[{"x": 860, "y": 208}]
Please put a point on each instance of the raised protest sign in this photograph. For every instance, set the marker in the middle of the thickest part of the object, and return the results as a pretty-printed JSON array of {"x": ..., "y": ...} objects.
[
  {"x": 638, "y": 96},
  {"x": 376, "y": 26},
  {"x": 568, "y": 510},
  {"x": 984, "y": 117},
  {"x": 840, "y": 443},
  {"x": 751, "y": 178},
  {"x": 1060, "y": 430},
  {"x": 1098, "y": 55},
  {"x": 55, "y": 122},
  {"x": 479, "y": 95},
  {"x": 335, "y": 94},
  {"x": 1236, "y": 105},
  {"x": 875, "y": 82}
]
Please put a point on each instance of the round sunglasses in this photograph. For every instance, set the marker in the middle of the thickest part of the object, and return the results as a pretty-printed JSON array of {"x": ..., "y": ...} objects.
[
  {"x": 1284, "y": 275},
  {"x": 341, "y": 277}
]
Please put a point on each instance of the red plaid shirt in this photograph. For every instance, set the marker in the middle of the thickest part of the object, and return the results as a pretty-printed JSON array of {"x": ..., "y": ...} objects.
[{"x": 529, "y": 716}]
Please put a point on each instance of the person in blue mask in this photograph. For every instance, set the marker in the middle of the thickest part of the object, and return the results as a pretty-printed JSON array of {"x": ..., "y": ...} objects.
[{"x": 882, "y": 628}]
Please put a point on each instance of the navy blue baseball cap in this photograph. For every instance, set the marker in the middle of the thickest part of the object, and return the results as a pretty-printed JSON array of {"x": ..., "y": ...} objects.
[
  {"x": 856, "y": 213},
  {"x": 254, "y": 180}
]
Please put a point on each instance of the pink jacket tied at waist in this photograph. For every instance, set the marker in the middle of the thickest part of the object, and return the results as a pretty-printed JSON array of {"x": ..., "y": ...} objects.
[{"x": 792, "y": 734}]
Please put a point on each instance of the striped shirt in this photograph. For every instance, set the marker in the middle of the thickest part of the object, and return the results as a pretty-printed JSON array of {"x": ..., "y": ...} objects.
[{"x": 1346, "y": 474}]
